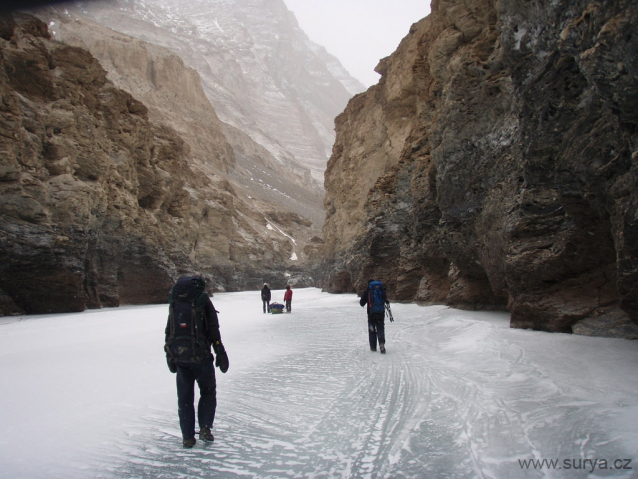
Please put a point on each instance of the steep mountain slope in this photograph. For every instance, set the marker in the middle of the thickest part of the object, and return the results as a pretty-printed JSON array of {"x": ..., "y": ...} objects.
[
  {"x": 174, "y": 95},
  {"x": 260, "y": 71},
  {"x": 99, "y": 205},
  {"x": 495, "y": 166}
]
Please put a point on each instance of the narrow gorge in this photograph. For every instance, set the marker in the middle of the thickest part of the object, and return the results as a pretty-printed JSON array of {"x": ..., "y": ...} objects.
[{"x": 494, "y": 166}]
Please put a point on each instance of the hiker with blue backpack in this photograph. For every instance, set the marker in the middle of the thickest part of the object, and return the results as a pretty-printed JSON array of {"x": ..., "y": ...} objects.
[
  {"x": 376, "y": 300},
  {"x": 191, "y": 330}
]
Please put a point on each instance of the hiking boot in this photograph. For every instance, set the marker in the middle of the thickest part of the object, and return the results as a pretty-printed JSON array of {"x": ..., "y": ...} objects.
[
  {"x": 373, "y": 349},
  {"x": 382, "y": 348},
  {"x": 189, "y": 443},
  {"x": 206, "y": 435}
]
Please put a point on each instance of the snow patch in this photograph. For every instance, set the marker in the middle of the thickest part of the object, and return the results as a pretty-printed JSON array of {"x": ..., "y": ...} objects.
[
  {"x": 519, "y": 36},
  {"x": 286, "y": 235}
]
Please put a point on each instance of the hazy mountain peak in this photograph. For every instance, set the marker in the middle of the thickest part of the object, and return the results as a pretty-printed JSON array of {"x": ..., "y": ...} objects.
[{"x": 260, "y": 71}]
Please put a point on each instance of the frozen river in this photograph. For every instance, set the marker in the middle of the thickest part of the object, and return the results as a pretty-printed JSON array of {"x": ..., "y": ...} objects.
[{"x": 458, "y": 395}]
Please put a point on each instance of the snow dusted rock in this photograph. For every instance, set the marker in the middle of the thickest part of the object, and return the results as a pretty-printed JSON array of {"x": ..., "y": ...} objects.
[
  {"x": 155, "y": 76},
  {"x": 174, "y": 96},
  {"x": 495, "y": 165},
  {"x": 260, "y": 71},
  {"x": 172, "y": 92},
  {"x": 99, "y": 206}
]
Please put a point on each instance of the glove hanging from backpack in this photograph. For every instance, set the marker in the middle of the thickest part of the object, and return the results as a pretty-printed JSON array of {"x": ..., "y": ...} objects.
[
  {"x": 172, "y": 367},
  {"x": 221, "y": 358}
]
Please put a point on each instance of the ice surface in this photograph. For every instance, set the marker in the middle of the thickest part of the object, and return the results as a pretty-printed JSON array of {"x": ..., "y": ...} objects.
[{"x": 458, "y": 395}]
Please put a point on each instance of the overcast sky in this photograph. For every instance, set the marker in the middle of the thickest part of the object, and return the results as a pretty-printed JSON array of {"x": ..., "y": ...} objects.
[{"x": 358, "y": 32}]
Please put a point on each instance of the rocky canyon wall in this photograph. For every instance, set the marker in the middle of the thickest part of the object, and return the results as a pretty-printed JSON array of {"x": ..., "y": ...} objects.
[
  {"x": 99, "y": 205},
  {"x": 260, "y": 71},
  {"x": 494, "y": 166}
]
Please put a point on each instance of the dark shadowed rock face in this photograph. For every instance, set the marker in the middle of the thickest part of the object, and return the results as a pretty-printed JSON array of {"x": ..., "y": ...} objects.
[
  {"x": 495, "y": 164},
  {"x": 98, "y": 205}
]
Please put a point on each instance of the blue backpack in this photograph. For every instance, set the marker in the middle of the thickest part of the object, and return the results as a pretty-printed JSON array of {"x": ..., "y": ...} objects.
[{"x": 376, "y": 297}]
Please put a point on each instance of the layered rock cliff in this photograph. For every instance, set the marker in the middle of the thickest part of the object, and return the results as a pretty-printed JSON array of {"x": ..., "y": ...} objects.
[
  {"x": 494, "y": 166},
  {"x": 259, "y": 70},
  {"x": 174, "y": 96},
  {"x": 99, "y": 205}
]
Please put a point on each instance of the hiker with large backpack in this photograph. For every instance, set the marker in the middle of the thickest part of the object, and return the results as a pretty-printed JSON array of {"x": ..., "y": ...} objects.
[
  {"x": 375, "y": 298},
  {"x": 191, "y": 330}
]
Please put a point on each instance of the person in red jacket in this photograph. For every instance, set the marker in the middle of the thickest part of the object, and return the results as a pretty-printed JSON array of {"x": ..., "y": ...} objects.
[{"x": 288, "y": 298}]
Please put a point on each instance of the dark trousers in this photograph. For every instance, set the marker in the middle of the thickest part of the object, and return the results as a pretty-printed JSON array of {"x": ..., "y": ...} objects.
[
  {"x": 266, "y": 305},
  {"x": 204, "y": 373},
  {"x": 376, "y": 329},
  {"x": 289, "y": 305}
]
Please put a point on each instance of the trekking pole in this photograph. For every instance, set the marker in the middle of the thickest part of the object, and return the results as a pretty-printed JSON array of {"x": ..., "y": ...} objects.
[{"x": 387, "y": 308}]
